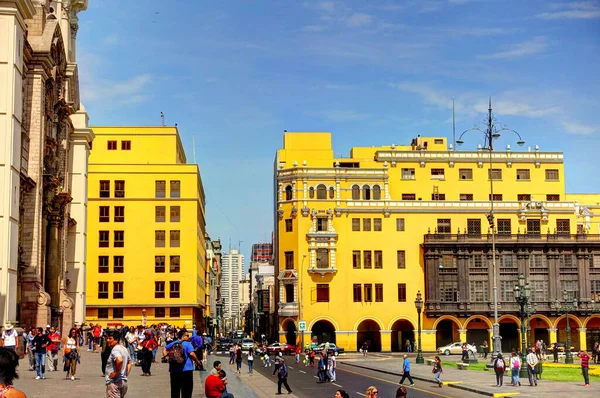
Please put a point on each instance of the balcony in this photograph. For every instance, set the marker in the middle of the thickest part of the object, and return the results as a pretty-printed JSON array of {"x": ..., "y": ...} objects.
[
  {"x": 322, "y": 271},
  {"x": 508, "y": 238},
  {"x": 288, "y": 309}
]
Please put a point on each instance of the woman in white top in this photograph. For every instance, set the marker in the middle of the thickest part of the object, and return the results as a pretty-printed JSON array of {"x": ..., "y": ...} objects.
[
  {"x": 132, "y": 343},
  {"x": 71, "y": 353},
  {"x": 250, "y": 359}
]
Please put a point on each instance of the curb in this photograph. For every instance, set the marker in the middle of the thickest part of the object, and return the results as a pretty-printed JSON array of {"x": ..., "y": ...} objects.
[{"x": 458, "y": 386}]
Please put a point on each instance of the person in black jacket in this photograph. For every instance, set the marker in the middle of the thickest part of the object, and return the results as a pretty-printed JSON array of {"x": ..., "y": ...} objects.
[{"x": 282, "y": 375}]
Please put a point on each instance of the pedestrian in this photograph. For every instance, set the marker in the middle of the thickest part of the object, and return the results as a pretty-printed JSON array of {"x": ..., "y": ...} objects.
[
  {"x": 515, "y": 367},
  {"x": 232, "y": 354},
  {"x": 71, "y": 354},
  {"x": 406, "y": 371},
  {"x": 465, "y": 353},
  {"x": 9, "y": 337},
  {"x": 298, "y": 351},
  {"x": 437, "y": 371},
  {"x": 585, "y": 360},
  {"x": 322, "y": 369},
  {"x": 96, "y": 333},
  {"x": 105, "y": 354},
  {"x": 401, "y": 392},
  {"x": 277, "y": 362},
  {"x": 40, "y": 342},
  {"x": 486, "y": 349},
  {"x": 145, "y": 351},
  {"x": 596, "y": 352},
  {"x": 29, "y": 348},
  {"x": 555, "y": 352},
  {"x": 268, "y": 359},
  {"x": 52, "y": 349},
  {"x": 332, "y": 366},
  {"x": 282, "y": 375},
  {"x": 238, "y": 359},
  {"x": 118, "y": 366},
  {"x": 9, "y": 361},
  {"x": 250, "y": 359},
  {"x": 181, "y": 365},
  {"x": 365, "y": 349},
  {"x": 216, "y": 368},
  {"x": 499, "y": 368},
  {"x": 132, "y": 343},
  {"x": 341, "y": 394},
  {"x": 371, "y": 392},
  {"x": 532, "y": 362}
]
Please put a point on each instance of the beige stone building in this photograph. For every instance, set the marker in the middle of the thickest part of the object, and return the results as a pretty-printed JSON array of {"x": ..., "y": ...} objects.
[{"x": 44, "y": 145}]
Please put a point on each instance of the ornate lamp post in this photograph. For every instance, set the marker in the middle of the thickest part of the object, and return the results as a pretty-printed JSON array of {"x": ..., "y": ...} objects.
[
  {"x": 523, "y": 297},
  {"x": 565, "y": 309},
  {"x": 419, "y": 306},
  {"x": 492, "y": 133}
]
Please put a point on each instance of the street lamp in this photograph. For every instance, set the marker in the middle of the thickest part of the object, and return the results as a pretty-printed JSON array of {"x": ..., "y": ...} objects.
[
  {"x": 523, "y": 297},
  {"x": 491, "y": 133},
  {"x": 566, "y": 308},
  {"x": 301, "y": 306},
  {"x": 419, "y": 306}
]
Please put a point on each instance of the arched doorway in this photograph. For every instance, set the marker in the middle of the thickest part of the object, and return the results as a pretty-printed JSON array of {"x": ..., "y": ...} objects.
[
  {"x": 290, "y": 333},
  {"x": 538, "y": 330},
  {"x": 562, "y": 332},
  {"x": 477, "y": 332},
  {"x": 402, "y": 330},
  {"x": 592, "y": 333},
  {"x": 324, "y": 331},
  {"x": 369, "y": 331},
  {"x": 509, "y": 330},
  {"x": 446, "y": 332}
]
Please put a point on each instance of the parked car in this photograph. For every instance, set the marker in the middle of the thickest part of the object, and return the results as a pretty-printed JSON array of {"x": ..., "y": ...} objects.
[
  {"x": 332, "y": 348},
  {"x": 456, "y": 348},
  {"x": 223, "y": 344},
  {"x": 247, "y": 344},
  {"x": 281, "y": 347}
]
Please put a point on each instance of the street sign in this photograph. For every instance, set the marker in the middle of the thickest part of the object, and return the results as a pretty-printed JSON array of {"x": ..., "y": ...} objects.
[{"x": 302, "y": 326}]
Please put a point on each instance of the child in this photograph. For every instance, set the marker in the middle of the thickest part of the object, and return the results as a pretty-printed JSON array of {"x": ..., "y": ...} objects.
[
  {"x": 267, "y": 359},
  {"x": 306, "y": 358}
]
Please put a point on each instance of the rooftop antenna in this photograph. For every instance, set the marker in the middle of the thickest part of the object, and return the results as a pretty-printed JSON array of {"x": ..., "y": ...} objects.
[
  {"x": 453, "y": 127},
  {"x": 194, "y": 149},
  {"x": 162, "y": 117}
]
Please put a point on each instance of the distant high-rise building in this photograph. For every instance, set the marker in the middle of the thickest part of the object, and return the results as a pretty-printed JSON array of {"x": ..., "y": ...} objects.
[
  {"x": 232, "y": 273},
  {"x": 262, "y": 253}
]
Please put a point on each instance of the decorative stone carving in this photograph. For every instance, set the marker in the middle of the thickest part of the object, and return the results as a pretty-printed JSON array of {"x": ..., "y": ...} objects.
[
  {"x": 338, "y": 212},
  {"x": 280, "y": 213},
  {"x": 305, "y": 211},
  {"x": 294, "y": 212}
]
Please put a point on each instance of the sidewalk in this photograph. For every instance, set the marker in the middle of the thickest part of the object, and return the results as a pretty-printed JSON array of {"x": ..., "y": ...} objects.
[
  {"x": 255, "y": 384},
  {"x": 483, "y": 383}
]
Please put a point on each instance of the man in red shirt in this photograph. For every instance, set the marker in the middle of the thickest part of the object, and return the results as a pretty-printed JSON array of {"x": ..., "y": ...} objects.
[
  {"x": 214, "y": 386},
  {"x": 52, "y": 349}
]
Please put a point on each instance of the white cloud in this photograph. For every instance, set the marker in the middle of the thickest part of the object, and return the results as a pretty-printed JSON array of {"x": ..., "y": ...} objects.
[
  {"x": 358, "y": 19},
  {"x": 129, "y": 91},
  {"x": 575, "y": 10},
  {"x": 578, "y": 128},
  {"x": 533, "y": 46}
]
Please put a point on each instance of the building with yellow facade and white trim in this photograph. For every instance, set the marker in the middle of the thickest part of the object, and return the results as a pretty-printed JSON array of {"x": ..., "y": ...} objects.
[{"x": 356, "y": 238}]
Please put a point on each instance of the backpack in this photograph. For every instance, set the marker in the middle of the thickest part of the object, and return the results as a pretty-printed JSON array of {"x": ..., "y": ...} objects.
[
  {"x": 177, "y": 355},
  {"x": 516, "y": 364},
  {"x": 282, "y": 372},
  {"x": 500, "y": 364}
]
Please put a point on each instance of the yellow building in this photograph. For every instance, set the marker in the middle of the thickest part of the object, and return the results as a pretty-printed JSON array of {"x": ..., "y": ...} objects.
[
  {"x": 146, "y": 232},
  {"x": 358, "y": 237}
]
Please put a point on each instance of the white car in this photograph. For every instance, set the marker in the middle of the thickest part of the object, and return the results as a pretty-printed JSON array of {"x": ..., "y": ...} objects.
[
  {"x": 456, "y": 348},
  {"x": 247, "y": 344}
]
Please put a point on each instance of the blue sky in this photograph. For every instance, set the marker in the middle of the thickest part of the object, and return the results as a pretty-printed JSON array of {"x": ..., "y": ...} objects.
[{"x": 235, "y": 74}]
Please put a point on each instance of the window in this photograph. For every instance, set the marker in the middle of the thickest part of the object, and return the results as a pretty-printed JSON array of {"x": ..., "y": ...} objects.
[
  {"x": 331, "y": 193},
  {"x": 160, "y": 189},
  {"x": 288, "y": 225},
  {"x": 174, "y": 238},
  {"x": 159, "y": 238},
  {"x": 159, "y": 264},
  {"x": 566, "y": 261},
  {"x": 524, "y": 197},
  {"x": 289, "y": 260},
  {"x": 174, "y": 264},
  {"x": 563, "y": 226},
  {"x": 378, "y": 257},
  {"x": 356, "y": 224},
  {"x": 321, "y": 191},
  {"x": 437, "y": 174},
  {"x": 104, "y": 213},
  {"x": 159, "y": 213},
  {"x": 175, "y": 312},
  {"x": 507, "y": 290},
  {"x": 288, "y": 192},
  {"x": 322, "y": 258},
  {"x": 504, "y": 226},
  {"x": 409, "y": 196},
  {"x": 119, "y": 213},
  {"x": 357, "y": 292},
  {"x": 175, "y": 213},
  {"x": 104, "y": 239},
  {"x": 401, "y": 292},
  {"x": 478, "y": 291},
  {"x": 466, "y": 197},
  {"x": 105, "y": 189},
  {"x": 523, "y": 174},
  {"x": 368, "y": 293},
  {"x": 102, "y": 313},
  {"x": 125, "y": 145},
  {"x": 174, "y": 289},
  {"x": 160, "y": 312},
  {"x": 552, "y": 197},
  {"x": 595, "y": 290},
  {"x": 508, "y": 260},
  {"x": 539, "y": 288},
  {"x": 366, "y": 224},
  {"x": 117, "y": 313},
  {"x": 119, "y": 239},
  {"x": 103, "y": 264},
  {"x": 175, "y": 189},
  {"x": 377, "y": 224},
  {"x": 399, "y": 224},
  {"x": 494, "y": 174},
  {"x": 448, "y": 261},
  {"x": 572, "y": 288},
  {"x": 117, "y": 290},
  {"x": 289, "y": 293},
  {"x": 376, "y": 192},
  {"x": 438, "y": 196},
  {"x": 552, "y": 175},
  {"x": 379, "y": 292},
  {"x": 537, "y": 260},
  {"x": 366, "y": 192},
  {"x": 356, "y": 259},
  {"x": 322, "y": 224},
  {"x": 438, "y": 141},
  {"x": 367, "y": 259},
  {"x": 118, "y": 264},
  {"x": 477, "y": 261},
  {"x": 448, "y": 291},
  {"x": 311, "y": 192},
  {"x": 408, "y": 174},
  {"x": 401, "y": 258},
  {"x": 595, "y": 260},
  {"x": 474, "y": 226},
  {"x": 322, "y": 293},
  {"x": 497, "y": 197},
  {"x": 112, "y": 145},
  {"x": 444, "y": 226},
  {"x": 355, "y": 192},
  {"x": 119, "y": 189},
  {"x": 159, "y": 289},
  {"x": 465, "y": 174},
  {"x": 533, "y": 227},
  {"x": 102, "y": 290}
]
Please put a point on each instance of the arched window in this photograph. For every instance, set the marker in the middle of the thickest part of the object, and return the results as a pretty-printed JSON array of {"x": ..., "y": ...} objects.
[
  {"x": 288, "y": 192},
  {"x": 331, "y": 193},
  {"x": 366, "y": 192},
  {"x": 355, "y": 192},
  {"x": 321, "y": 191},
  {"x": 311, "y": 192},
  {"x": 376, "y": 192}
]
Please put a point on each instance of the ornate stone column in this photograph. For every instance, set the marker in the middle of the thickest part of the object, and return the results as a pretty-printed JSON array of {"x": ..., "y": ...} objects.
[{"x": 52, "y": 271}]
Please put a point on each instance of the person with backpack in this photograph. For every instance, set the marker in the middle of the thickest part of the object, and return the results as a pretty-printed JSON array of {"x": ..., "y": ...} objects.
[
  {"x": 181, "y": 365},
  {"x": 515, "y": 366},
  {"x": 282, "y": 375},
  {"x": 532, "y": 361},
  {"x": 499, "y": 367}
]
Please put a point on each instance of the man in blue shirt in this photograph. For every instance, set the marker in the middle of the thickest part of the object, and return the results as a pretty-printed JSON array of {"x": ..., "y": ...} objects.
[
  {"x": 182, "y": 377},
  {"x": 406, "y": 371},
  {"x": 198, "y": 344}
]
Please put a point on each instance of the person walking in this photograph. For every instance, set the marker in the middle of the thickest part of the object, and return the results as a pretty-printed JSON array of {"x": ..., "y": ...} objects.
[
  {"x": 371, "y": 392},
  {"x": 515, "y": 367},
  {"x": 298, "y": 351},
  {"x": 331, "y": 366},
  {"x": 232, "y": 354},
  {"x": 29, "y": 348},
  {"x": 146, "y": 348},
  {"x": 437, "y": 371},
  {"x": 555, "y": 352},
  {"x": 277, "y": 360},
  {"x": 585, "y": 363},
  {"x": 532, "y": 362},
  {"x": 282, "y": 375},
  {"x": 596, "y": 352},
  {"x": 132, "y": 343},
  {"x": 118, "y": 366},
  {"x": 52, "y": 354},
  {"x": 9, "y": 361},
  {"x": 71, "y": 353},
  {"x": 181, "y": 374},
  {"x": 40, "y": 342},
  {"x": 406, "y": 371},
  {"x": 9, "y": 337},
  {"x": 499, "y": 368},
  {"x": 238, "y": 359},
  {"x": 250, "y": 359}
]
